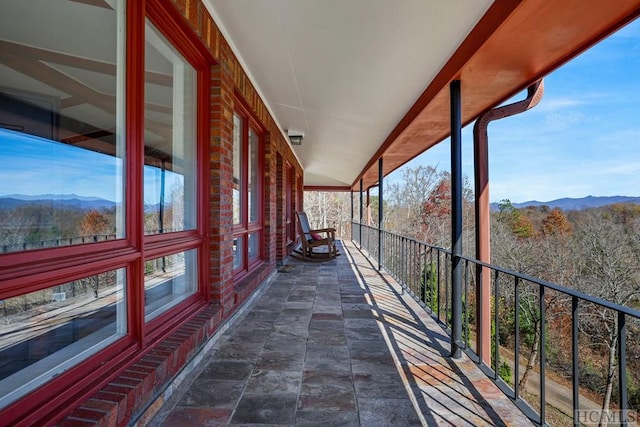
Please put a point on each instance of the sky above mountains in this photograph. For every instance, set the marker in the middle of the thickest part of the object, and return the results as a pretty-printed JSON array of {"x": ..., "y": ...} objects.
[{"x": 582, "y": 139}]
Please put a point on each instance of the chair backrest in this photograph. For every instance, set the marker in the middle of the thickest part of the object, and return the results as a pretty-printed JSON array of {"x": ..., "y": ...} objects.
[{"x": 305, "y": 228}]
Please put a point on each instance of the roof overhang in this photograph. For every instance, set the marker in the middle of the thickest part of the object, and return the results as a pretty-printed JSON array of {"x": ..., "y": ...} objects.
[{"x": 369, "y": 79}]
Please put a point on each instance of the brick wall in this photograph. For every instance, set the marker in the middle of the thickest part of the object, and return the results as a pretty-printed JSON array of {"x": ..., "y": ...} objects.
[
  {"x": 230, "y": 80},
  {"x": 221, "y": 197}
]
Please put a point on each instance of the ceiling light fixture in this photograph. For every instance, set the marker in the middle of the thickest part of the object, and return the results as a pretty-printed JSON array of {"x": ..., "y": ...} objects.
[{"x": 295, "y": 137}]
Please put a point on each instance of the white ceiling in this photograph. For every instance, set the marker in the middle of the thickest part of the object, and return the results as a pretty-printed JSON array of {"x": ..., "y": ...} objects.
[{"x": 343, "y": 72}]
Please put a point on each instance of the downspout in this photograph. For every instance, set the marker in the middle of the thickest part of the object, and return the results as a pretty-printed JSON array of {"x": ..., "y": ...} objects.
[{"x": 483, "y": 218}]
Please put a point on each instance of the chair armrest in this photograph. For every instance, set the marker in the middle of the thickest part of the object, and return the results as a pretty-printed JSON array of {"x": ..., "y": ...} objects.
[{"x": 324, "y": 230}]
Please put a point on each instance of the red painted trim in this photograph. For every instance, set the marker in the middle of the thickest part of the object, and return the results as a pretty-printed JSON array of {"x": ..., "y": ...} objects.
[
  {"x": 204, "y": 178},
  {"x": 50, "y": 273},
  {"x": 164, "y": 14},
  {"x": 172, "y": 24},
  {"x": 337, "y": 188},
  {"x": 26, "y": 259},
  {"x": 135, "y": 161}
]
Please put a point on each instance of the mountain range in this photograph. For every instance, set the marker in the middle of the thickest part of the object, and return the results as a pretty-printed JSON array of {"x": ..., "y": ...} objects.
[
  {"x": 569, "y": 204},
  {"x": 12, "y": 201}
]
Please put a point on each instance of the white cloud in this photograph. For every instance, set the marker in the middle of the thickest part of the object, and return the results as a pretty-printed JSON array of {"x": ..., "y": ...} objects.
[{"x": 558, "y": 103}]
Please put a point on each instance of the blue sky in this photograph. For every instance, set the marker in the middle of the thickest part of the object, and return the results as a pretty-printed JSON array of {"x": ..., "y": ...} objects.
[
  {"x": 582, "y": 139},
  {"x": 34, "y": 166}
]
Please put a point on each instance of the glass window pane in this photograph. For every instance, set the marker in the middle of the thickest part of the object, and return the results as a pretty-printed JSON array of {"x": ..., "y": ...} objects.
[
  {"x": 169, "y": 280},
  {"x": 61, "y": 124},
  {"x": 238, "y": 252},
  {"x": 237, "y": 169},
  {"x": 254, "y": 176},
  {"x": 254, "y": 246},
  {"x": 170, "y": 137},
  {"x": 46, "y": 332}
]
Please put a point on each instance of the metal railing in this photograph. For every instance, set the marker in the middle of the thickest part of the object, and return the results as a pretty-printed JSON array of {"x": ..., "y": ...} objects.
[
  {"x": 522, "y": 308},
  {"x": 78, "y": 240},
  {"x": 53, "y": 243}
]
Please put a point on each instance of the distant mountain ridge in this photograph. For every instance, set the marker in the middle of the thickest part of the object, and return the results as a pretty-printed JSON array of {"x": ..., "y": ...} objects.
[
  {"x": 576, "y": 204},
  {"x": 71, "y": 196},
  {"x": 12, "y": 201}
]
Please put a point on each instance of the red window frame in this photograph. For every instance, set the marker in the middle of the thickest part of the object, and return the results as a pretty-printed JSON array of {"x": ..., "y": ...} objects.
[
  {"x": 245, "y": 228},
  {"x": 175, "y": 29},
  {"x": 29, "y": 271}
]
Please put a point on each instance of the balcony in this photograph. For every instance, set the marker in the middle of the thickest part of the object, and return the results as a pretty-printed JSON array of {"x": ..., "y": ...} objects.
[{"x": 342, "y": 344}]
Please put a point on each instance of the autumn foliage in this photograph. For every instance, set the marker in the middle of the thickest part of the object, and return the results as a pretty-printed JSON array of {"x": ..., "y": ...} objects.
[{"x": 94, "y": 223}]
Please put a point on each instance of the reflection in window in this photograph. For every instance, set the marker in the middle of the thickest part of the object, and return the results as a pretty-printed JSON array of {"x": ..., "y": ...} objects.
[
  {"x": 46, "y": 332},
  {"x": 254, "y": 176},
  {"x": 238, "y": 251},
  {"x": 169, "y": 280},
  {"x": 254, "y": 248},
  {"x": 61, "y": 125},
  {"x": 247, "y": 186},
  {"x": 237, "y": 169},
  {"x": 170, "y": 135}
]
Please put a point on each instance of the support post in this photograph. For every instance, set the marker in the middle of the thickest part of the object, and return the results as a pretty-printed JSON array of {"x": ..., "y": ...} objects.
[
  {"x": 352, "y": 218},
  {"x": 380, "y": 211},
  {"x": 456, "y": 219},
  {"x": 361, "y": 212}
]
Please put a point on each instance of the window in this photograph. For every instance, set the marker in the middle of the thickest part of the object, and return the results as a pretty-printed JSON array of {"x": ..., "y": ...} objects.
[
  {"x": 101, "y": 243},
  {"x": 62, "y": 147},
  {"x": 51, "y": 329},
  {"x": 247, "y": 189},
  {"x": 169, "y": 137},
  {"x": 169, "y": 280},
  {"x": 61, "y": 125}
]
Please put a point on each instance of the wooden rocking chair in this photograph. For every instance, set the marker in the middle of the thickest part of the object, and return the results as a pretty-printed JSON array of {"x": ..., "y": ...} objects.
[{"x": 311, "y": 239}]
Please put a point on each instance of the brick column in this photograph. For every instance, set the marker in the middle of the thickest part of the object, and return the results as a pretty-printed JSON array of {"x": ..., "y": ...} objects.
[
  {"x": 281, "y": 208},
  {"x": 270, "y": 198},
  {"x": 221, "y": 165}
]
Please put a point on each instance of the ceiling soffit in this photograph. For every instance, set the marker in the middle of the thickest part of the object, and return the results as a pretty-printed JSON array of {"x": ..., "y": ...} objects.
[{"x": 342, "y": 73}]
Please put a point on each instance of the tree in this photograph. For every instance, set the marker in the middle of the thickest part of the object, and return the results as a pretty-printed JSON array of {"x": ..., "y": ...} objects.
[
  {"x": 556, "y": 224},
  {"x": 14, "y": 228},
  {"x": 609, "y": 255},
  {"x": 519, "y": 223},
  {"x": 329, "y": 209},
  {"x": 94, "y": 223}
]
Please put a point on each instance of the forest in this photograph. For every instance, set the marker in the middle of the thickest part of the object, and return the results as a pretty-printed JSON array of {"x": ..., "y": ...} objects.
[{"x": 595, "y": 251}]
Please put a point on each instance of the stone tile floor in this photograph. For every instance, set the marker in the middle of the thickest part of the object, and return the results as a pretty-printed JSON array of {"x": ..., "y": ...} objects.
[{"x": 335, "y": 344}]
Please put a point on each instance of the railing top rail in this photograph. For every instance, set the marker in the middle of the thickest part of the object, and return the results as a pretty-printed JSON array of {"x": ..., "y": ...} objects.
[
  {"x": 550, "y": 285},
  {"x": 441, "y": 249},
  {"x": 559, "y": 288}
]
